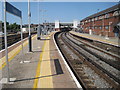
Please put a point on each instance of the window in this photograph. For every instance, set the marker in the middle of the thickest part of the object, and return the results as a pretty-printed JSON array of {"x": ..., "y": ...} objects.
[
  {"x": 100, "y": 27},
  {"x": 96, "y": 27},
  {"x": 86, "y": 21},
  {"x": 96, "y": 18},
  {"x": 89, "y": 20},
  {"x": 100, "y": 17},
  {"x": 116, "y": 13},
  {"x": 92, "y": 27},
  {"x": 82, "y": 23},
  {"x": 107, "y": 15},
  {"x": 93, "y": 19},
  {"x": 106, "y": 27}
]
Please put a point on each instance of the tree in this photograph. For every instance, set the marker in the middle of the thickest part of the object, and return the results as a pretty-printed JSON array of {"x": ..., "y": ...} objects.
[{"x": 14, "y": 28}]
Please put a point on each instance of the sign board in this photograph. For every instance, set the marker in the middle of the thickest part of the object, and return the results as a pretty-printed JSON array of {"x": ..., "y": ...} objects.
[
  {"x": 11, "y": 9},
  {"x": 75, "y": 23},
  {"x": 57, "y": 24}
]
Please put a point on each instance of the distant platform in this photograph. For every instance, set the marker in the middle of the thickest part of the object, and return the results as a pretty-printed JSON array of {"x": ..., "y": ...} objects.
[{"x": 109, "y": 40}]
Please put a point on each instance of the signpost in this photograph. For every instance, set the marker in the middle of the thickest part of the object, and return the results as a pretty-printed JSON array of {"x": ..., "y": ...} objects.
[{"x": 12, "y": 10}]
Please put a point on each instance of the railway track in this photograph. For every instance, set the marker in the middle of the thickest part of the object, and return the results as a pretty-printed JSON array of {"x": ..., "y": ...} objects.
[
  {"x": 116, "y": 56},
  {"x": 11, "y": 39},
  {"x": 108, "y": 48},
  {"x": 104, "y": 59},
  {"x": 85, "y": 60}
]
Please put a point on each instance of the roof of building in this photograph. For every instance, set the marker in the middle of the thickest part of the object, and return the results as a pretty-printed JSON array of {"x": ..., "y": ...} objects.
[{"x": 113, "y": 8}]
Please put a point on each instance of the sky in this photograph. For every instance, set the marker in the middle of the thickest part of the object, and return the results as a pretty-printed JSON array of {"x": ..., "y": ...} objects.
[{"x": 51, "y": 11}]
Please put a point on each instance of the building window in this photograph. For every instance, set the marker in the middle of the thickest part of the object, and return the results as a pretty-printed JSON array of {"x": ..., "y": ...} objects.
[
  {"x": 86, "y": 21},
  {"x": 116, "y": 13},
  {"x": 106, "y": 27},
  {"x": 96, "y": 27},
  {"x": 93, "y": 19},
  {"x": 82, "y": 23},
  {"x": 107, "y": 15},
  {"x": 101, "y": 17},
  {"x": 89, "y": 20},
  {"x": 100, "y": 27},
  {"x": 92, "y": 27},
  {"x": 96, "y": 18}
]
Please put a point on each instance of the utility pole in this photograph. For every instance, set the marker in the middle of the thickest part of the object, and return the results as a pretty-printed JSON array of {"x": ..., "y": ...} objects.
[{"x": 29, "y": 37}]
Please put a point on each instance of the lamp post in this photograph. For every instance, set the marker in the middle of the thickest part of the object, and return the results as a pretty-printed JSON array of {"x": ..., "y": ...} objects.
[
  {"x": 44, "y": 21},
  {"x": 29, "y": 37},
  {"x": 38, "y": 31}
]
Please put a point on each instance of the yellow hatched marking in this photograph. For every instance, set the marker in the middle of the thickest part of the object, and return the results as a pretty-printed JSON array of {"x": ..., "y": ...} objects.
[{"x": 12, "y": 54}]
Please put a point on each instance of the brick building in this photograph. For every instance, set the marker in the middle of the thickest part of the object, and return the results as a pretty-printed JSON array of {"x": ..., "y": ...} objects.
[{"x": 102, "y": 23}]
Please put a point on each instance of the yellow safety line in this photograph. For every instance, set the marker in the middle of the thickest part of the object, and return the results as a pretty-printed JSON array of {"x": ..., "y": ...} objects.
[
  {"x": 19, "y": 49},
  {"x": 35, "y": 85},
  {"x": 38, "y": 68},
  {"x": 46, "y": 81}
]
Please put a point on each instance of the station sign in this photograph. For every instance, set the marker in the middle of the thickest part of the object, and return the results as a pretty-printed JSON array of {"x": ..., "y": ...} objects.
[{"x": 11, "y": 9}]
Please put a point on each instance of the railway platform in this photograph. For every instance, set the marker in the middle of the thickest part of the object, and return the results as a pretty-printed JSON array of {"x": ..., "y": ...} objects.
[
  {"x": 111, "y": 41},
  {"x": 42, "y": 68}
]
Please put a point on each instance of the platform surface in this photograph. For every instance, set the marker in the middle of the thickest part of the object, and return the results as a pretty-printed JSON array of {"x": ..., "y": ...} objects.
[
  {"x": 112, "y": 40},
  {"x": 42, "y": 68}
]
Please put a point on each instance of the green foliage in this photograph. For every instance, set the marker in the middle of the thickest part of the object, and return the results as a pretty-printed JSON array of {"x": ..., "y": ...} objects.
[{"x": 11, "y": 28}]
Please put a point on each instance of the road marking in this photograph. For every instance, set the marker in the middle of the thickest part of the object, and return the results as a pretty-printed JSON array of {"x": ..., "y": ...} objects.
[{"x": 12, "y": 54}]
